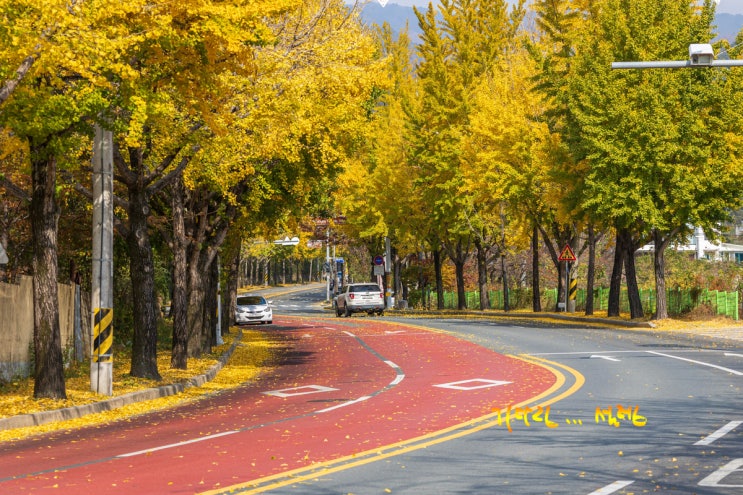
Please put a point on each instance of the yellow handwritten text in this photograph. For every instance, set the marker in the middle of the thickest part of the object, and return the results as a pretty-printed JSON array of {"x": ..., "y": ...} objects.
[
  {"x": 524, "y": 414},
  {"x": 623, "y": 414}
]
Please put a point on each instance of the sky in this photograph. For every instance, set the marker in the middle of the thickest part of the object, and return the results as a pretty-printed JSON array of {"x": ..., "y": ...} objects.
[{"x": 725, "y": 6}]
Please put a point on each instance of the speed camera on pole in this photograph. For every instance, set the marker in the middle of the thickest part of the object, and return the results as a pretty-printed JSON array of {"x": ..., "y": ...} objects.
[{"x": 700, "y": 55}]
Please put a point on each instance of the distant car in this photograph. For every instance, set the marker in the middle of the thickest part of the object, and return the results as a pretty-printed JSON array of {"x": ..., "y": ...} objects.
[
  {"x": 358, "y": 298},
  {"x": 253, "y": 309}
]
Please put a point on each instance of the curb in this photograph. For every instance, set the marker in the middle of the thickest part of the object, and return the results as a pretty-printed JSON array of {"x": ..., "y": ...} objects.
[
  {"x": 74, "y": 412},
  {"x": 543, "y": 316}
]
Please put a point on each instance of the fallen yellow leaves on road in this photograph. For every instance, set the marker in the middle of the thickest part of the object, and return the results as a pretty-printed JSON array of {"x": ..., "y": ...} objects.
[{"x": 250, "y": 358}]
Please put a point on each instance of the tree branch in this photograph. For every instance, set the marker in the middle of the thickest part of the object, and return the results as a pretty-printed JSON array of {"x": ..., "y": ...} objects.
[
  {"x": 13, "y": 189},
  {"x": 7, "y": 89}
]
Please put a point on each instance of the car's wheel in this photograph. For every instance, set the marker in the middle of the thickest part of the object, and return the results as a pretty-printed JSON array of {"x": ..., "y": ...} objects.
[
  {"x": 269, "y": 322},
  {"x": 347, "y": 311}
]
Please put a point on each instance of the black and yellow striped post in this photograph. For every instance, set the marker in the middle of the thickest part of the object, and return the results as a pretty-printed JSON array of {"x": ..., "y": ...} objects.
[
  {"x": 101, "y": 369},
  {"x": 572, "y": 293},
  {"x": 103, "y": 335}
]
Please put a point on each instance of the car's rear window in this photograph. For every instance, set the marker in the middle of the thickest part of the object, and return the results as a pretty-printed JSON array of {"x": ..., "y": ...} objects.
[
  {"x": 250, "y": 300},
  {"x": 365, "y": 288}
]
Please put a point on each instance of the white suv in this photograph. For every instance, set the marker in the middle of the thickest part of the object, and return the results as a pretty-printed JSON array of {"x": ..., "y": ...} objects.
[{"x": 357, "y": 298}]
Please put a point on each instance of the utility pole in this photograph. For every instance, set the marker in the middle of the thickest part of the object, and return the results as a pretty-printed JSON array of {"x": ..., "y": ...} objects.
[{"x": 101, "y": 366}]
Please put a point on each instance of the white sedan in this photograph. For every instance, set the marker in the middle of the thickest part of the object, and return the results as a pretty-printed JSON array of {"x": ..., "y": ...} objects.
[{"x": 253, "y": 309}]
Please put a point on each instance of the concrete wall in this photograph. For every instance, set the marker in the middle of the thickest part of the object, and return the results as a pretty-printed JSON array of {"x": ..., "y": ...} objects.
[{"x": 17, "y": 326}]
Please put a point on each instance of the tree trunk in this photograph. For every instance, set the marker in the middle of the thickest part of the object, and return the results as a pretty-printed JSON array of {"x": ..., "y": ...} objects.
[
  {"x": 591, "y": 270},
  {"x": 458, "y": 255},
  {"x": 49, "y": 366},
  {"x": 633, "y": 292},
  {"x": 482, "y": 274},
  {"x": 461, "y": 295},
  {"x": 230, "y": 301},
  {"x": 197, "y": 276},
  {"x": 211, "y": 317},
  {"x": 439, "y": 279},
  {"x": 506, "y": 305},
  {"x": 615, "y": 285},
  {"x": 142, "y": 267},
  {"x": 659, "y": 262},
  {"x": 536, "y": 299},
  {"x": 179, "y": 352}
]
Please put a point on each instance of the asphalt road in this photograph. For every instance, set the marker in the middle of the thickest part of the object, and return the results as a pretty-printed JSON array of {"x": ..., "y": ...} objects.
[
  {"x": 369, "y": 405},
  {"x": 681, "y": 432}
]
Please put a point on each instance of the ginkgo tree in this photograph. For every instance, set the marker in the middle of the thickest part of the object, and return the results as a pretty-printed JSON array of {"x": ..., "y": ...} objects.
[
  {"x": 509, "y": 152},
  {"x": 294, "y": 123},
  {"x": 373, "y": 190},
  {"x": 456, "y": 49},
  {"x": 164, "y": 106},
  {"x": 663, "y": 146},
  {"x": 52, "y": 63}
]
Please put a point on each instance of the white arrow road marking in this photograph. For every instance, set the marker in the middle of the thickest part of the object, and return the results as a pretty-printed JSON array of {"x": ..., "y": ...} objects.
[
  {"x": 393, "y": 332},
  {"x": 719, "y": 433},
  {"x": 732, "y": 354},
  {"x": 608, "y": 358}
]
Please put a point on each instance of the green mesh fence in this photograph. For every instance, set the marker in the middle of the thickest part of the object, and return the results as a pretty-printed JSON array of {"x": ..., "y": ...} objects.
[{"x": 679, "y": 301}]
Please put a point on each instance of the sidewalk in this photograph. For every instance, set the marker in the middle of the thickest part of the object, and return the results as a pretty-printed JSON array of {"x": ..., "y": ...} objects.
[
  {"x": 51, "y": 416},
  {"x": 718, "y": 328}
]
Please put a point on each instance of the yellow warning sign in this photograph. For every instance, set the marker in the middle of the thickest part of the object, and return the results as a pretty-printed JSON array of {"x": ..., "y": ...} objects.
[{"x": 567, "y": 254}]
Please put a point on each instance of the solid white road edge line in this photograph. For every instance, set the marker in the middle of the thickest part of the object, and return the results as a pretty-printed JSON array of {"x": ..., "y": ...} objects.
[{"x": 739, "y": 373}]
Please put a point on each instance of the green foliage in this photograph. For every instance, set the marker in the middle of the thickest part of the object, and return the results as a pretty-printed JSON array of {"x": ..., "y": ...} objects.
[{"x": 685, "y": 272}]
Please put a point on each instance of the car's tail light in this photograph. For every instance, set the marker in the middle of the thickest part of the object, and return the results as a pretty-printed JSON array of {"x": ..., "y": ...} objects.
[
  {"x": 381, "y": 295},
  {"x": 351, "y": 295}
]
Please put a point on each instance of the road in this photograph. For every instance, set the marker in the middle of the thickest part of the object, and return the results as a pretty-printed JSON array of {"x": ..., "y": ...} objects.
[
  {"x": 384, "y": 405},
  {"x": 687, "y": 437}
]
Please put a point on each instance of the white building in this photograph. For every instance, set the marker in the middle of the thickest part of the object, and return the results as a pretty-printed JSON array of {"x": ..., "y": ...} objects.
[{"x": 703, "y": 248}]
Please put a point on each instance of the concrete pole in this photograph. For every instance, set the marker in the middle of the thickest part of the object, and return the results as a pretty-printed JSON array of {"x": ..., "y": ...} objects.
[
  {"x": 220, "y": 341},
  {"x": 700, "y": 242},
  {"x": 327, "y": 261},
  {"x": 387, "y": 269},
  {"x": 101, "y": 366}
]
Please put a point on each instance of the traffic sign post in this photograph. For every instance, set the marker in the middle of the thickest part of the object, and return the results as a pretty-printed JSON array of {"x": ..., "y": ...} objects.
[{"x": 568, "y": 256}]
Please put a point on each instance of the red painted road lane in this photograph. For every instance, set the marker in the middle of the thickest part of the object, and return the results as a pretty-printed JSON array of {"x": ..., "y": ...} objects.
[{"x": 340, "y": 361}]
